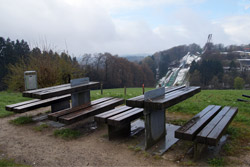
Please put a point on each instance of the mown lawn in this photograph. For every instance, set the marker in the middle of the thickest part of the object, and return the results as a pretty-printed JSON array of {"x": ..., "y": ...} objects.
[
  {"x": 130, "y": 92},
  {"x": 217, "y": 97},
  {"x": 7, "y": 98},
  {"x": 239, "y": 129}
]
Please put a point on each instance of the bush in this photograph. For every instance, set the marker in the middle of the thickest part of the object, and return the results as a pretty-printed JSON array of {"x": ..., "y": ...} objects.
[{"x": 239, "y": 83}]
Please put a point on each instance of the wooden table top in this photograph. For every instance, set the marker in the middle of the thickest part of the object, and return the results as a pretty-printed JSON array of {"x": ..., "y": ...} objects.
[
  {"x": 172, "y": 96},
  {"x": 59, "y": 90}
]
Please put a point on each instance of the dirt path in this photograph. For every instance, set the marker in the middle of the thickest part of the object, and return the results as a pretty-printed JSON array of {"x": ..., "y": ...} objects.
[{"x": 28, "y": 146}]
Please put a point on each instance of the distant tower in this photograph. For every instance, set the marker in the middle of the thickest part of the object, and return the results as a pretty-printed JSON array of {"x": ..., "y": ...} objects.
[{"x": 208, "y": 45}]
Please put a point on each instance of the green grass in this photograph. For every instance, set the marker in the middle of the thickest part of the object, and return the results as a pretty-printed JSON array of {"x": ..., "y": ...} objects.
[
  {"x": 67, "y": 133},
  {"x": 41, "y": 127},
  {"x": 216, "y": 162},
  {"x": 7, "y": 98},
  {"x": 130, "y": 92},
  {"x": 9, "y": 163},
  {"x": 239, "y": 129},
  {"x": 217, "y": 97},
  {"x": 22, "y": 120}
]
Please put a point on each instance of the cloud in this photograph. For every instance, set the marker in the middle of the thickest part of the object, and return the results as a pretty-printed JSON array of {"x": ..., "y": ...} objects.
[
  {"x": 91, "y": 26},
  {"x": 237, "y": 28}
]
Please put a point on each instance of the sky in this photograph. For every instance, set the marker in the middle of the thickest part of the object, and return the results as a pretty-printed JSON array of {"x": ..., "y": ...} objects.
[{"x": 124, "y": 27}]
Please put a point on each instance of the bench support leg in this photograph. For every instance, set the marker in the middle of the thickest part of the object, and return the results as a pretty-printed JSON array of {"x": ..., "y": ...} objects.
[
  {"x": 155, "y": 128},
  {"x": 60, "y": 106},
  {"x": 117, "y": 132},
  {"x": 198, "y": 149},
  {"x": 80, "y": 98}
]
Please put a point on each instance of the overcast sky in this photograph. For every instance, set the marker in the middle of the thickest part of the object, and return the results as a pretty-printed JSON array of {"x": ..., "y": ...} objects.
[{"x": 124, "y": 26}]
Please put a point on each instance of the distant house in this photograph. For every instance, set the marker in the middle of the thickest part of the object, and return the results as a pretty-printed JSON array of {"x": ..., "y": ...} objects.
[
  {"x": 244, "y": 64},
  {"x": 226, "y": 69}
]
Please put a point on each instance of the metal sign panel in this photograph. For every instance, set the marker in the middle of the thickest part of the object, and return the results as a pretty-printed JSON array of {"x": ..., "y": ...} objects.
[
  {"x": 154, "y": 93},
  {"x": 79, "y": 81}
]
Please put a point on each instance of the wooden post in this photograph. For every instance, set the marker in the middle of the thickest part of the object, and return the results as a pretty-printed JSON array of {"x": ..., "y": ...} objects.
[
  {"x": 101, "y": 89},
  {"x": 143, "y": 89},
  {"x": 125, "y": 91}
]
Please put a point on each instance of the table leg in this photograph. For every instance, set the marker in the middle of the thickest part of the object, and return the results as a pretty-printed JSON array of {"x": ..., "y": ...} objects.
[
  {"x": 80, "y": 98},
  {"x": 155, "y": 128},
  {"x": 60, "y": 106}
]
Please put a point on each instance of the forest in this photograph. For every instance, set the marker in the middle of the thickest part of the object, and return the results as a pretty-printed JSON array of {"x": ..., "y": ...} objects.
[
  {"x": 113, "y": 71},
  {"x": 53, "y": 68}
]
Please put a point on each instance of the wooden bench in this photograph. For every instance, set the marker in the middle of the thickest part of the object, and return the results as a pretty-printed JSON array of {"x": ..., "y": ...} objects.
[
  {"x": 207, "y": 126},
  {"x": 72, "y": 115},
  {"x": 119, "y": 120},
  {"x": 36, "y": 103},
  {"x": 243, "y": 100}
]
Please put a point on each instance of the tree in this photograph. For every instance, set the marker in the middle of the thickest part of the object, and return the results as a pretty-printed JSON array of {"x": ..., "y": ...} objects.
[
  {"x": 215, "y": 82},
  {"x": 52, "y": 69},
  {"x": 10, "y": 53},
  {"x": 195, "y": 78},
  {"x": 239, "y": 83}
]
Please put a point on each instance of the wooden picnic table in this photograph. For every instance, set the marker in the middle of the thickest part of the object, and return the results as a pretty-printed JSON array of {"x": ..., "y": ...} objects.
[
  {"x": 59, "y": 90},
  {"x": 78, "y": 89},
  {"x": 155, "y": 103}
]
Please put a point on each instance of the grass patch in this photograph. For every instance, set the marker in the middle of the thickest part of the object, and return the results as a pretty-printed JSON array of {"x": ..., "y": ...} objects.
[
  {"x": 7, "y": 98},
  {"x": 41, "y": 127},
  {"x": 157, "y": 157},
  {"x": 22, "y": 120},
  {"x": 9, "y": 163},
  {"x": 131, "y": 92},
  {"x": 137, "y": 149},
  {"x": 188, "y": 163},
  {"x": 179, "y": 122},
  {"x": 216, "y": 162},
  {"x": 239, "y": 137},
  {"x": 67, "y": 133}
]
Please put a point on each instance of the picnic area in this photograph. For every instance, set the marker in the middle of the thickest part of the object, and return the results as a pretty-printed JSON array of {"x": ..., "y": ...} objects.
[{"x": 108, "y": 138}]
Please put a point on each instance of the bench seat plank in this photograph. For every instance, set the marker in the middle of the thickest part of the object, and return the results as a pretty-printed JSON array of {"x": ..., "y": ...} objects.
[
  {"x": 12, "y": 106},
  {"x": 102, "y": 118},
  {"x": 41, "y": 103},
  {"x": 193, "y": 126},
  {"x": 217, "y": 132},
  {"x": 125, "y": 117},
  {"x": 246, "y": 96},
  {"x": 201, "y": 123},
  {"x": 201, "y": 136},
  {"x": 56, "y": 115},
  {"x": 90, "y": 111}
]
